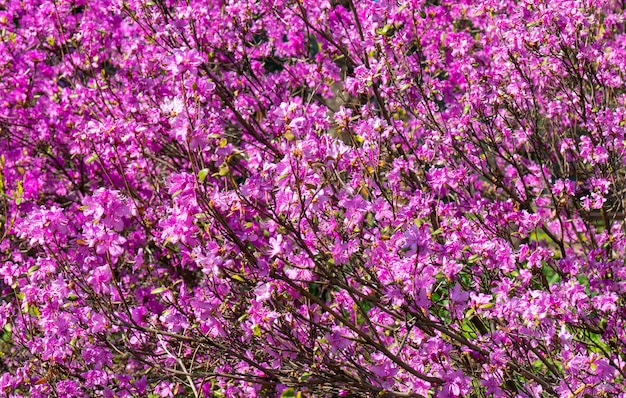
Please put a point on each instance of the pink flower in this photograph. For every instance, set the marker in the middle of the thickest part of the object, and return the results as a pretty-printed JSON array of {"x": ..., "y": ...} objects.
[{"x": 456, "y": 385}]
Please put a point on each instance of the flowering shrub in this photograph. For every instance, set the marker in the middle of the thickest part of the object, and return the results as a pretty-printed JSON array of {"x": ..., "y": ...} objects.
[{"x": 312, "y": 198}]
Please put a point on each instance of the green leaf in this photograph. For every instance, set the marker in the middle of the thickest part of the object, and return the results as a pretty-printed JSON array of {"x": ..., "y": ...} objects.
[
  {"x": 34, "y": 310},
  {"x": 19, "y": 194},
  {"x": 224, "y": 170},
  {"x": 289, "y": 393},
  {"x": 384, "y": 30},
  {"x": 256, "y": 330},
  {"x": 202, "y": 174},
  {"x": 158, "y": 290},
  {"x": 91, "y": 159},
  {"x": 473, "y": 258}
]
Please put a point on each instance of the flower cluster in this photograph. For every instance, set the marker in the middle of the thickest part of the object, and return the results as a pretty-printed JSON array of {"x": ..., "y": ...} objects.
[{"x": 239, "y": 198}]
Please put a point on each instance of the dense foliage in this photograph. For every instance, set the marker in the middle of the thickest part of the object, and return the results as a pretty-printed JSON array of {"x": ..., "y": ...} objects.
[{"x": 241, "y": 198}]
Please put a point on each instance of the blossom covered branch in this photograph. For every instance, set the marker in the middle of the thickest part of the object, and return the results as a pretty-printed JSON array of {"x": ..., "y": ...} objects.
[{"x": 312, "y": 198}]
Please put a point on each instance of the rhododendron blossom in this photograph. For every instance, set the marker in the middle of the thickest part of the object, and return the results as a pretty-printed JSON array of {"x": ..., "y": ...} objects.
[{"x": 237, "y": 198}]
